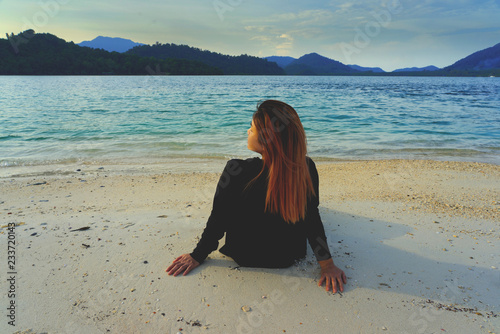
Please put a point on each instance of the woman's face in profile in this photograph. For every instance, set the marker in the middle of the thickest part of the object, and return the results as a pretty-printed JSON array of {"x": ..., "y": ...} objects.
[{"x": 253, "y": 139}]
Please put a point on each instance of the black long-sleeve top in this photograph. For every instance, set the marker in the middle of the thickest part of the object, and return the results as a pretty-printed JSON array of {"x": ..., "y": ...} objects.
[{"x": 255, "y": 238}]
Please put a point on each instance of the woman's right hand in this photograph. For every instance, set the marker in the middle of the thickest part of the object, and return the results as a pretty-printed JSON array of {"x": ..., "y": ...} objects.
[
  {"x": 184, "y": 263},
  {"x": 332, "y": 275}
]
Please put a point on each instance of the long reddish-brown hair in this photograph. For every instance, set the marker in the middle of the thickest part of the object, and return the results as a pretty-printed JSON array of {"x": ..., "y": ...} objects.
[{"x": 283, "y": 139}]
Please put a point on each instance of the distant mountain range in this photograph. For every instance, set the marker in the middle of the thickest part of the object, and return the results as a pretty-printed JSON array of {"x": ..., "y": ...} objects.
[
  {"x": 317, "y": 64},
  {"x": 418, "y": 69},
  {"x": 30, "y": 53},
  {"x": 485, "y": 62},
  {"x": 110, "y": 44},
  {"x": 308, "y": 63},
  {"x": 367, "y": 69},
  {"x": 281, "y": 61}
]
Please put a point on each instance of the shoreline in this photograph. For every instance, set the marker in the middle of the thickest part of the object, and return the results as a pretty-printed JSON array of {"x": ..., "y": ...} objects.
[
  {"x": 418, "y": 240},
  {"x": 179, "y": 164}
]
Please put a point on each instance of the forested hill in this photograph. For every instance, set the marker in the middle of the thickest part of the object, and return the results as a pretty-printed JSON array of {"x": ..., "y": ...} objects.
[
  {"x": 315, "y": 64},
  {"x": 230, "y": 65},
  {"x": 44, "y": 54},
  {"x": 486, "y": 59}
]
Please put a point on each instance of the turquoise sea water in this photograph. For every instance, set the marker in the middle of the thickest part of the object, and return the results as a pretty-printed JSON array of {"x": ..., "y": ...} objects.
[{"x": 74, "y": 118}]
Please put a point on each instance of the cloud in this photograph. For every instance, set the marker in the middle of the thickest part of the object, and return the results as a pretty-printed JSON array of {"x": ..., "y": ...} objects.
[
  {"x": 259, "y": 29},
  {"x": 286, "y": 45},
  {"x": 344, "y": 7},
  {"x": 309, "y": 16},
  {"x": 265, "y": 39},
  {"x": 280, "y": 43},
  {"x": 316, "y": 18}
]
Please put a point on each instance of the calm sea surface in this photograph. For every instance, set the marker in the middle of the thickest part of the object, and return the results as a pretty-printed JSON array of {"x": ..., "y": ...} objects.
[{"x": 57, "y": 119}]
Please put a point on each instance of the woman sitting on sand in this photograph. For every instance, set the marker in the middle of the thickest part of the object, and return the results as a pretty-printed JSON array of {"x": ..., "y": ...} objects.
[{"x": 268, "y": 207}]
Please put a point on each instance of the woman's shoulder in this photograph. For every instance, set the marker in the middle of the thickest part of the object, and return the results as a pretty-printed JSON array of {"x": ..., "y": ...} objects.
[
  {"x": 310, "y": 163},
  {"x": 254, "y": 160},
  {"x": 313, "y": 171},
  {"x": 242, "y": 167},
  {"x": 244, "y": 164}
]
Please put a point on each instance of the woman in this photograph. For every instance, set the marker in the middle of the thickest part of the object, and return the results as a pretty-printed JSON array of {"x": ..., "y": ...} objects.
[{"x": 268, "y": 207}]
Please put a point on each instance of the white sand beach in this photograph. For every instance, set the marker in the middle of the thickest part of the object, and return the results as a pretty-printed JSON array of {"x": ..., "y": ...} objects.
[{"x": 418, "y": 240}]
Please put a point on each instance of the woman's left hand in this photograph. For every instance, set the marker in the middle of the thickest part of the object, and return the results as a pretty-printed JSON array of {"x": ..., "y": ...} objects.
[{"x": 332, "y": 275}]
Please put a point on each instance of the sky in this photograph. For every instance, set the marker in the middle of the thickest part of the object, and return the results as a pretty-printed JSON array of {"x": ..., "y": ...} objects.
[{"x": 390, "y": 34}]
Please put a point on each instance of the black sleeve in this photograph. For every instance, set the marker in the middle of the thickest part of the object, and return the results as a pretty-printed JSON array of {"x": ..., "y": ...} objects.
[
  {"x": 222, "y": 211},
  {"x": 315, "y": 230}
]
